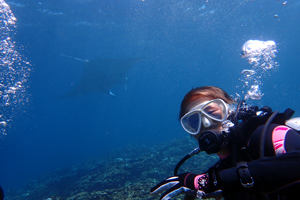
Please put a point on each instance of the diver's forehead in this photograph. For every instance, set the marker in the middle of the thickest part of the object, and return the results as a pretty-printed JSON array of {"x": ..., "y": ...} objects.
[{"x": 197, "y": 102}]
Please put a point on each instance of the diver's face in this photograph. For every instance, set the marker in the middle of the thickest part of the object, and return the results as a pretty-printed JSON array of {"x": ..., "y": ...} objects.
[{"x": 213, "y": 110}]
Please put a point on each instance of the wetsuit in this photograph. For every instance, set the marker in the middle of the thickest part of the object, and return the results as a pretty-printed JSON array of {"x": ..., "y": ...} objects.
[{"x": 275, "y": 176}]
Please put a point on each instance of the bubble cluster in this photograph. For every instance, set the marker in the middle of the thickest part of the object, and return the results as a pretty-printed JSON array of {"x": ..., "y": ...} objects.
[
  {"x": 14, "y": 70},
  {"x": 260, "y": 55}
]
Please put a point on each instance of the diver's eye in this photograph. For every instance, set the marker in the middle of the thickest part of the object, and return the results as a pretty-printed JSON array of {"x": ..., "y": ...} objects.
[
  {"x": 211, "y": 109},
  {"x": 216, "y": 115},
  {"x": 211, "y": 112},
  {"x": 214, "y": 112}
]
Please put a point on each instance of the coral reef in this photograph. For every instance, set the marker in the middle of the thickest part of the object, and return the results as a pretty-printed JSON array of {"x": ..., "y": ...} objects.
[{"x": 127, "y": 173}]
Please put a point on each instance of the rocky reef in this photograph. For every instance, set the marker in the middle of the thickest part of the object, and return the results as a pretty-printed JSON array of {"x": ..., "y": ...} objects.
[{"x": 127, "y": 173}]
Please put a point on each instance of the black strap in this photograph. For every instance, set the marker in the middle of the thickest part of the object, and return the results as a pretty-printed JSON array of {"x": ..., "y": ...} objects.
[
  {"x": 245, "y": 176},
  {"x": 288, "y": 113}
]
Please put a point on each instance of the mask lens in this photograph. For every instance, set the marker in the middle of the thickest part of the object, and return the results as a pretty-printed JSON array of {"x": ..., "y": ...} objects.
[
  {"x": 215, "y": 110},
  {"x": 191, "y": 122}
]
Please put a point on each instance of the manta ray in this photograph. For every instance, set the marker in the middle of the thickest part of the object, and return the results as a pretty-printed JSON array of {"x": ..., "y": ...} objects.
[{"x": 101, "y": 75}]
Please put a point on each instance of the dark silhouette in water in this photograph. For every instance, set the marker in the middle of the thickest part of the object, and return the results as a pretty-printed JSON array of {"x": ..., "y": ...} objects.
[
  {"x": 101, "y": 75},
  {"x": 1, "y": 193}
]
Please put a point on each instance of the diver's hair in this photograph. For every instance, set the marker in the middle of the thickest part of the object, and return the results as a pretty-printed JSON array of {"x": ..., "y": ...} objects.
[{"x": 204, "y": 92}]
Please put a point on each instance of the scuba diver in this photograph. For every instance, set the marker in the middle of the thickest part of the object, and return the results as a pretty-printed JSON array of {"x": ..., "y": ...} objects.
[{"x": 259, "y": 154}]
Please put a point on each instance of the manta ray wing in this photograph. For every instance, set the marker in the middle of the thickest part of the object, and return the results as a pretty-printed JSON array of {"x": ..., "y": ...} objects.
[{"x": 101, "y": 75}]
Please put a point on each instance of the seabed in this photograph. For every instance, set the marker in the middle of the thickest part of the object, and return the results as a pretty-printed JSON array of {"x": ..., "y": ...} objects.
[{"x": 127, "y": 174}]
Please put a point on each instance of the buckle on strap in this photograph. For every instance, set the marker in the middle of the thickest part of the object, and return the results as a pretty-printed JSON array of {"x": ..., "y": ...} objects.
[{"x": 245, "y": 176}]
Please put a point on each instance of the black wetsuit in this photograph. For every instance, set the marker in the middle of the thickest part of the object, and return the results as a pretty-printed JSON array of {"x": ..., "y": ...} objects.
[{"x": 274, "y": 176}]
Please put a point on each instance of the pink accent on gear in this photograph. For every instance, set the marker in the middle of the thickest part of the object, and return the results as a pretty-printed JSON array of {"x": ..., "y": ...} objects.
[
  {"x": 196, "y": 181},
  {"x": 278, "y": 138}
]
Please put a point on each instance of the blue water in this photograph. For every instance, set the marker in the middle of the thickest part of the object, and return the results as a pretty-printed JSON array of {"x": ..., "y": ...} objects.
[{"x": 187, "y": 43}]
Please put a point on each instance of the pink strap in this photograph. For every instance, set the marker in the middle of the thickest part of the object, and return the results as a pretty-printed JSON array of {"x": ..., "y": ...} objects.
[{"x": 278, "y": 138}]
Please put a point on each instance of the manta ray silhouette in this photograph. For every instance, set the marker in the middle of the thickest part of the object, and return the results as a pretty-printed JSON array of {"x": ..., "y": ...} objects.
[{"x": 101, "y": 75}]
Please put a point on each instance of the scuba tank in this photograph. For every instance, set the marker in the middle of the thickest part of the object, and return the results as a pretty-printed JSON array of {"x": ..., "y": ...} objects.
[{"x": 293, "y": 123}]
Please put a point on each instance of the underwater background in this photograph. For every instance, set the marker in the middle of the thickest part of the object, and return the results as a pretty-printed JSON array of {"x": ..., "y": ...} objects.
[{"x": 183, "y": 43}]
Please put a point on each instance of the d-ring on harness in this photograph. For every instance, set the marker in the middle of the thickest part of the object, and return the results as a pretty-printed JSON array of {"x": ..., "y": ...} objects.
[{"x": 244, "y": 174}]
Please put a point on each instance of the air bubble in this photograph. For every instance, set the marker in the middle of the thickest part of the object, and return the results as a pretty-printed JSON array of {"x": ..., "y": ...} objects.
[
  {"x": 14, "y": 70},
  {"x": 260, "y": 55}
]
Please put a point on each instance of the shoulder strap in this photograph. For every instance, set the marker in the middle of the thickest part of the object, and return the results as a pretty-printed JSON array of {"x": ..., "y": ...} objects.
[{"x": 288, "y": 113}]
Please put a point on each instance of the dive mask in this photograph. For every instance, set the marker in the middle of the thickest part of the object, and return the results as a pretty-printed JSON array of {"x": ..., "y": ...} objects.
[{"x": 216, "y": 110}]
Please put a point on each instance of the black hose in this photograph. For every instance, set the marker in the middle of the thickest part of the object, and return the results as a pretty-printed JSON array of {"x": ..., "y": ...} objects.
[
  {"x": 235, "y": 117},
  {"x": 180, "y": 163},
  {"x": 263, "y": 135},
  {"x": 192, "y": 153}
]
